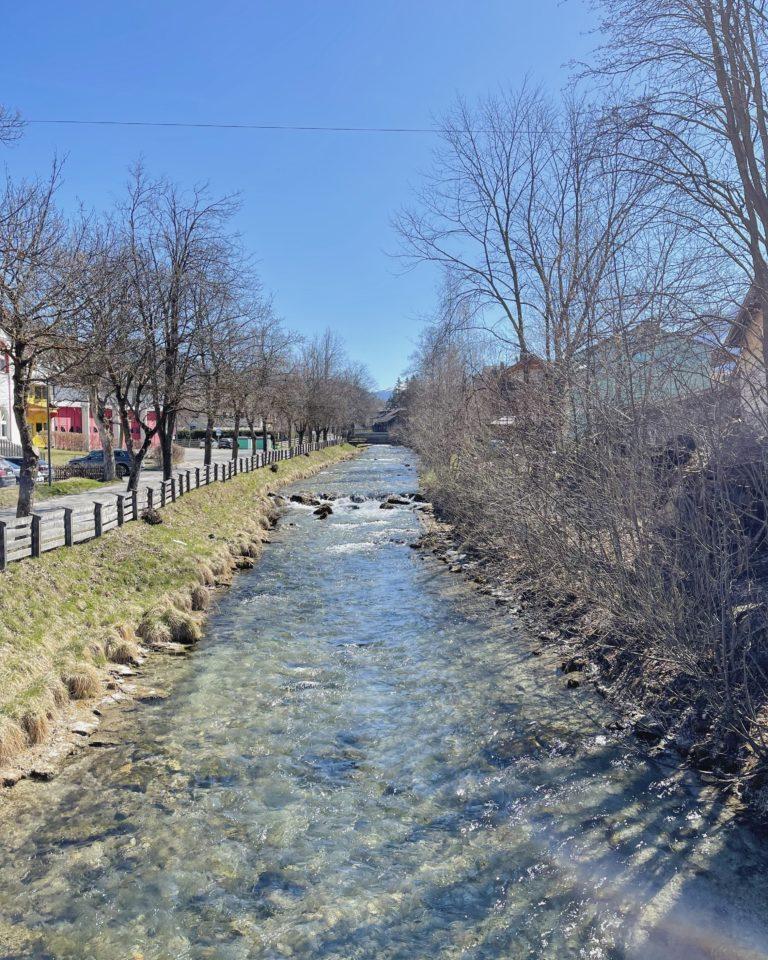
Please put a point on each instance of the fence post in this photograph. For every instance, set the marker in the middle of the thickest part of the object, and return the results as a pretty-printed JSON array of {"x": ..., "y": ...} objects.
[
  {"x": 215, "y": 471},
  {"x": 96, "y": 518},
  {"x": 3, "y": 544},
  {"x": 150, "y": 498},
  {"x": 173, "y": 489},
  {"x": 163, "y": 493},
  {"x": 68, "y": 511},
  {"x": 120, "y": 509},
  {"x": 135, "y": 505},
  {"x": 197, "y": 478},
  {"x": 189, "y": 480},
  {"x": 35, "y": 534}
]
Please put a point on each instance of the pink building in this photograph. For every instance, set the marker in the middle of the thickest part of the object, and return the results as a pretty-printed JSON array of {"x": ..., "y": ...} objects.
[{"x": 73, "y": 426}]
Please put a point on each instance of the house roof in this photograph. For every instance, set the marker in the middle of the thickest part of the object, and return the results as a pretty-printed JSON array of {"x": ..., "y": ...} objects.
[{"x": 389, "y": 417}]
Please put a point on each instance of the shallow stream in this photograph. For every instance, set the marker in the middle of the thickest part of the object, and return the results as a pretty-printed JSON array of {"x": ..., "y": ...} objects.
[{"x": 362, "y": 759}]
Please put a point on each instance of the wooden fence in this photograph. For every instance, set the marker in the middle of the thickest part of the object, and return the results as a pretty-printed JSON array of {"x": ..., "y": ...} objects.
[
  {"x": 9, "y": 449},
  {"x": 65, "y": 526}
]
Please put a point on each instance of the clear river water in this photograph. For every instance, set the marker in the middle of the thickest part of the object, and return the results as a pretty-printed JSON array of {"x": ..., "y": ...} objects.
[{"x": 362, "y": 759}]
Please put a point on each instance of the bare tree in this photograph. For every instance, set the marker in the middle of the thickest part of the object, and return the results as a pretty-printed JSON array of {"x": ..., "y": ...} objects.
[
  {"x": 35, "y": 298},
  {"x": 692, "y": 100},
  {"x": 175, "y": 243},
  {"x": 527, "y": 209},
  {"x": 11, "y": 125}
]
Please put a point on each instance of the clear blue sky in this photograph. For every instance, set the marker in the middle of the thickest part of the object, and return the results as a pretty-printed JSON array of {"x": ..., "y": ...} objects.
[{"x": 317, "y": 207}]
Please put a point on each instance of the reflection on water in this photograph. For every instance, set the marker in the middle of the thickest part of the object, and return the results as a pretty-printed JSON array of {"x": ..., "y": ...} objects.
[{"x": 362, "y": 760}]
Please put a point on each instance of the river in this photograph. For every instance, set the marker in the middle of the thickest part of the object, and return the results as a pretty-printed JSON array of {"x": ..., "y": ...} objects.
[{"x": 362, "y": 759}]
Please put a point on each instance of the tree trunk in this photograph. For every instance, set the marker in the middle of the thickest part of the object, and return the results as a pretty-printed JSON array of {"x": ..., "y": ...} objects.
[
  {"x": 28, "y": 475},
  {"x": 264, "y": 433},
  {"x": 252, "y": 432},
  {"x": 105, "y": 433},
  {"x": 137, "y": 461},
  {"x": 236, "y": 437},
  {"x": 166, "y": 431},
  {"x": 137, "y": 456},
  {"x": 208, "y": 452},
  {"x": 300, "y": 432}
]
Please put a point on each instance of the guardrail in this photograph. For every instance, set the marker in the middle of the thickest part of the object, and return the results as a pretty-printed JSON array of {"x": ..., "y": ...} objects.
[{"x": 65, "y": 526}]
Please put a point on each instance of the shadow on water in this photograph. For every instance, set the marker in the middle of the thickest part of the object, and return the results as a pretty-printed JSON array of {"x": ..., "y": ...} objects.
[{"x": 363, "y": 760}]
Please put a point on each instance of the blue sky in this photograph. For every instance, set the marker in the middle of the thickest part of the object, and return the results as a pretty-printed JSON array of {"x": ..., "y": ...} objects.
[{"x": 317, "y": 207}]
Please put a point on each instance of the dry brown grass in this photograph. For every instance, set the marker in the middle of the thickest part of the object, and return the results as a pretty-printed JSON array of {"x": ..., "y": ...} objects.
[
  {"x": 153, "y": 631},
  {"x": 36, "y": 724},
  {"x": 184, "y": 628},
  {"x": 83, "y": 681},
  {"x": 123, "y": 651},
  {"x": 201, "y": 598},
  {"x": 12, "y": 740}
]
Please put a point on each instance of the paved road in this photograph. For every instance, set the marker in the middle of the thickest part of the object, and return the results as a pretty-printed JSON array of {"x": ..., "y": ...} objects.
[{"x": 105, "y": 494}]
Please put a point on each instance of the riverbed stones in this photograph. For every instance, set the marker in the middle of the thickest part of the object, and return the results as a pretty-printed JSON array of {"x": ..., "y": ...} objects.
[
  {"x": 573, "y": 665},
  {"x": 84, "y": 728},
  {"x": 323, "y": 511},
  {"x": 305, "y": 500}
]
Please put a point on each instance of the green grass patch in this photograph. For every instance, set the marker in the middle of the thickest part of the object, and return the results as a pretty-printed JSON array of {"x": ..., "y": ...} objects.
[
  {"x": 9, "y": 495},
  {"x": 59, "y": 613}
]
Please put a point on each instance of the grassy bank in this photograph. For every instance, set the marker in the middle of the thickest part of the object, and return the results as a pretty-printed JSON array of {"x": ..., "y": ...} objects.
[{"x": 65, "y": 616}]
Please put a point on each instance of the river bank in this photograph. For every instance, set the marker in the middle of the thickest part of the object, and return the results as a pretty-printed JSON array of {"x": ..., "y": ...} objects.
[
  {"x": 578, "y": 636},
  {"x": 76, "y": 624}
]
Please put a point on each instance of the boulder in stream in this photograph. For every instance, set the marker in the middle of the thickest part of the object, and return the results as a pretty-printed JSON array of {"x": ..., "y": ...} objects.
[{"x": 305, "y": 500}]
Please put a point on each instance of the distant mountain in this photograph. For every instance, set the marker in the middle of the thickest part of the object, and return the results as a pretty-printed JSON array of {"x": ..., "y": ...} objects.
[{"x": 383, "y": 395}]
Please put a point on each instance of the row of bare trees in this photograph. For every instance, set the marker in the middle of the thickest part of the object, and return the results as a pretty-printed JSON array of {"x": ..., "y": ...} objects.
[
  {"x": 156, "y": 312},
  {"x": 579, "y": 401}
]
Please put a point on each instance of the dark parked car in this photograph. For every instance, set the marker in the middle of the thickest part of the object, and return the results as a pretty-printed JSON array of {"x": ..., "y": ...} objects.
[
  {"x": 225, "y": 443},
  {"x": 96, "y": 459}
]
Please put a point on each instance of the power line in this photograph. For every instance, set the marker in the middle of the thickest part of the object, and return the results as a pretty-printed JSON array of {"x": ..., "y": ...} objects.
[{"x": 236, "y": 126}]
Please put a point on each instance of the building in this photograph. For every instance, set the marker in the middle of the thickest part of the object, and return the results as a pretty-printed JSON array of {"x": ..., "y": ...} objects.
[
  {"x": 388, "y": 420},
  {"x": 8, "y": 430},
  {"x": 742, "y": 360},
  {"x": 73, "y": 426}
]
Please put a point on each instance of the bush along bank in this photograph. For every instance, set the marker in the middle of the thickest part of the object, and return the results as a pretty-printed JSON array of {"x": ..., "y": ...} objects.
[
  {"x": 75, "y": 623},
  {"x": 576, "y": 635}
]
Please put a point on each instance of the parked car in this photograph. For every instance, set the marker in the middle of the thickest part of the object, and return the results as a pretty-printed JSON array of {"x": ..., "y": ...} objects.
[
  {"x": 225, "y": 443},
  {"x": 96, "y": 459},
  {"x": 42, "y": 468},
  {"x": 9, "y": 473}
]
